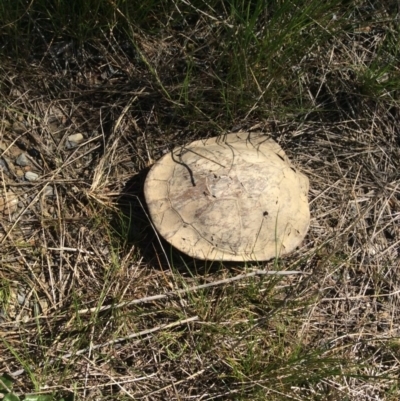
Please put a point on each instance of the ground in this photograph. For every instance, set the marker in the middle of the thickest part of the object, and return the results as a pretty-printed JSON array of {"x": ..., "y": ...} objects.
[{"x": 93, "y": 304}]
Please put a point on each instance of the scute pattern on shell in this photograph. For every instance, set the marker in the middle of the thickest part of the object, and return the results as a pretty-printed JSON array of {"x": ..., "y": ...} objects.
[{"x": 234, "y": 198}]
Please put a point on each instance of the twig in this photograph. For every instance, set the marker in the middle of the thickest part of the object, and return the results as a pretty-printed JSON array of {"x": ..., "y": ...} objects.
[
  {"x": 112, "y": 342},
  {"x": 133, "y": 335},
  {"x": 189, "y": 289}
]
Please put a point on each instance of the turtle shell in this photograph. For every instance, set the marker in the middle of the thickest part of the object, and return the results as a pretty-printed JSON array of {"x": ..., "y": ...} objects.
[{"x": 234, "y": 198}]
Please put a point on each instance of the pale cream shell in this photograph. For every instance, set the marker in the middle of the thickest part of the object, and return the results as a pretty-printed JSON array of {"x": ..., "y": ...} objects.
[{"x": 234, "y": 198}]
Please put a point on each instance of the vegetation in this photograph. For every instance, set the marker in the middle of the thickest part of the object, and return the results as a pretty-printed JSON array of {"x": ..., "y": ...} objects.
[{"x": 93, "y": 305}]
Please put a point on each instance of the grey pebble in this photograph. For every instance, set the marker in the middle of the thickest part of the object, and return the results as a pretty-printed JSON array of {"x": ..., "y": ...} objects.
[
  {"x": 48, "y": 191},
  {"x": 21, "y": 298},
  {"x": 70, "y": 144},
  {"x": 22, "y": 160},
  {"x": 3, "y": 165},
  {"x": 30, "y": 176}
]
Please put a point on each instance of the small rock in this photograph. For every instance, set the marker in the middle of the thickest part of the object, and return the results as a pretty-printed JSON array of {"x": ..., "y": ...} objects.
[
  {"x": 22, "y": 160},
  {"x": 10, "y": 164},
  {"x": 70, "y": 144},
  {"x": 76, "y": 138},
  {"x": 30, "y": 176},
  {"x": 8, "y": 202},
  {"x": 48, "y": 191},
  {"x": 73, "y": 141},
  {"x": 3, "y": 165},
  {"x": 19, "y": 173},
  {"x": 21, "y": 298}
]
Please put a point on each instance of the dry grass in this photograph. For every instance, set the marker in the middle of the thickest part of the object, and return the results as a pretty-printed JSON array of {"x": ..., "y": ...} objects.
[{"x": 93, "y": 304}]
